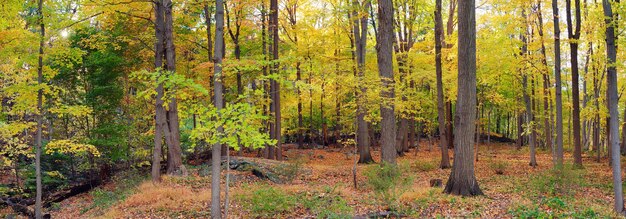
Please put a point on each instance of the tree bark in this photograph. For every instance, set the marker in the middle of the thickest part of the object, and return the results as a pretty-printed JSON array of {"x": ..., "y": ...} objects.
[
  {"x": 216, "y": 159},
  {"x": 557, "y": 76},
  {"x": 574, "y": 35},
  {"x": 359, "y": 29},
  {"x": 160, "y": 119},
  {"x": 527, "y": 99},
  {"x": 462, "y": 180},
  {"x": 546, "y": 82},
  {"x": 38, "y": 138},
  {"x": 384, "y": 49},
  {"x": 613, "y": 107},
  {"x": 274, "y": 70}
]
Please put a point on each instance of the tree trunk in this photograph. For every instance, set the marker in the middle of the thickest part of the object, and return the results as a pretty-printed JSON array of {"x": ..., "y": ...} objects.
[
  {"x": 527, "y": 100},
  {"x": 449, "y": 125},
  {"x": 159, "y": 110},
  {"x": 276, "y": 94},
  {"x": 359, "y": 29},
  {"x": 462, "y": 180},
  {"x": 385, "y": 68},
  {"x": 216, "y": 159},
  {"x": 441, "y": 115},
  {"x": 613, "y": 107},
  {"x": 557, "y": 76},
  {"x": 38, "y": 138},
  {"x": 520, "y": 130},
  {"x": 546, "y": 82},
  {"x": 623, "y": 146},
  {"x": 574, "y": 35}
]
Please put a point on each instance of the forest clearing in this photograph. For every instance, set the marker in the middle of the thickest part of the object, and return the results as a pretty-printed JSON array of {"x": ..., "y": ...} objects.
[{"x": 312, "y": 108}]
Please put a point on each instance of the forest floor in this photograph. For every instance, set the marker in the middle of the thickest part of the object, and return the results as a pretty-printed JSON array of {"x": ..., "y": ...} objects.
[{"x": 322, "y": 187}]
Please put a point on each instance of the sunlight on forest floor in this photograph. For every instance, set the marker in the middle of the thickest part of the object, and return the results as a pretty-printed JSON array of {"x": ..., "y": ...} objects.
[{"x": 323, "y": 187}]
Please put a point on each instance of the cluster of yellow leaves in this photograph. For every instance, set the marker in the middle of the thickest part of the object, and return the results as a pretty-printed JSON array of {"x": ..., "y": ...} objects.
[{"x": 71, "y": 147}]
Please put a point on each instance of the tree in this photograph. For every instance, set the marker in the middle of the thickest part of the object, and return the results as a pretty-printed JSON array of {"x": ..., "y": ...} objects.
[
  {"x": 166, "y": 121},
  {"x": 38, "y": 141},
  {"x": 462, "y": 180},
  {"x": 558, "y": 89},
  {"x": 529, "y": 111},
  {"x": 359, "y": 30},
  {"x": 384, "y": 50},
  {"x": 613, "y": 103},
  {"x": 441, "y": 117},
  {"x": 573, "y": 34},
  {"x": 275, "y": 127},
  {"x": 216, "y": 159}
]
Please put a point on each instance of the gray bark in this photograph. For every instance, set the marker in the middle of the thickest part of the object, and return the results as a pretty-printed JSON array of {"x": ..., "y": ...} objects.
[
  {"x": 462, "y": 180},
  {"x": 441, "y": 117},
  {"x": 216, "y": 212},
  {"x": 38, "y": 139},
  {"x": 557, "y": 76},
  {"x": 384, "y": 49},
  {"x": 360, "y": 40},
  {"x": 613, "y": 111}
]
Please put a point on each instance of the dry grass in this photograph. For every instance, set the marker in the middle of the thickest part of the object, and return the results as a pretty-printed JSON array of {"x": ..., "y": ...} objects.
[{"x": 189, "y": 197}]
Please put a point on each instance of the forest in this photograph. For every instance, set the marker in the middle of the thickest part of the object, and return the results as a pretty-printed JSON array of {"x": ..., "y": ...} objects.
[{"x": 312, "y": 109}]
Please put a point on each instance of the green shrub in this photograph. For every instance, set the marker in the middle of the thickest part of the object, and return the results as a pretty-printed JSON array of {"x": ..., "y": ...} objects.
[
  {"x": 267, "y": 202},
  {"x": 388, "y": 182},
  {"x": 289, "y": 171},
  {"x": 327, "y": 204},
  {"x": 558, "y": 181},
  {"x": 425, "y": 165},
  {"x": 499, "y": 166}
]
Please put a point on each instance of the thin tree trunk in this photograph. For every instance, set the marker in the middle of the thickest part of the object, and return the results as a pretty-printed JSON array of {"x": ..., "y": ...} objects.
[
  {"x": 546, "y": 81},
  {"x": 216, "y": 159},
  {"x": 274, "y": 70},
  {"x": 38, "y": 138},
  {"x": 557, "y": 74},
  {"x": 159, "y": 110},
  {"x": 574, "y": 35}
]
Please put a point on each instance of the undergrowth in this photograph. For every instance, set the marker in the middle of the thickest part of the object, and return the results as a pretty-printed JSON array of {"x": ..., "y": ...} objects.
[
  {"x": 125, "y": 185},
  {"x": 269, "y": 202}
]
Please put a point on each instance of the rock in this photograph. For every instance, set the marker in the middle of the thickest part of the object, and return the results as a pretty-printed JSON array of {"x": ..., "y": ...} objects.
[{"x": 436, "y": 183}]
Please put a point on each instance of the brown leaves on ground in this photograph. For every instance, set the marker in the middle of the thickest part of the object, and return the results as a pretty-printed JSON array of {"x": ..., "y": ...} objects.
[{"x": 507, "y": 195}]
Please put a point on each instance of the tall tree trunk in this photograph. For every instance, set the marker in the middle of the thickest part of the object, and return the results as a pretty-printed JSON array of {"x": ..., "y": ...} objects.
[
  {"x": 216, "y": 159},
  {"x": 448, "y": 106},
  {"x": 527, "y": 99},
  {"x": 384, "y": 50},
  {"x": 441, "y": 116},
  {"x": 520, "y": 130},
  {"x": 462, "y": 180},
  {"x": 623, "y": 146},
  {"x": 557, "y": 76},
  {"x": 174, "y": 158},
  {"x": 274, "y": 70},
  {"x": 613, "y": 104},
  {"x": 160, "y": 119},
  {"x": 359, "y": 29},
  {"x": 546, "y": 81},
  {"x": 266, "y": 95},
  {"x": 38, "y": 138},
  {"x": 574, "y": 35}
]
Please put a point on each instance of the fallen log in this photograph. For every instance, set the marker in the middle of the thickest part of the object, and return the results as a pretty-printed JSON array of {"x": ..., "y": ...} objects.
[{"x": 22, "y": 209}]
